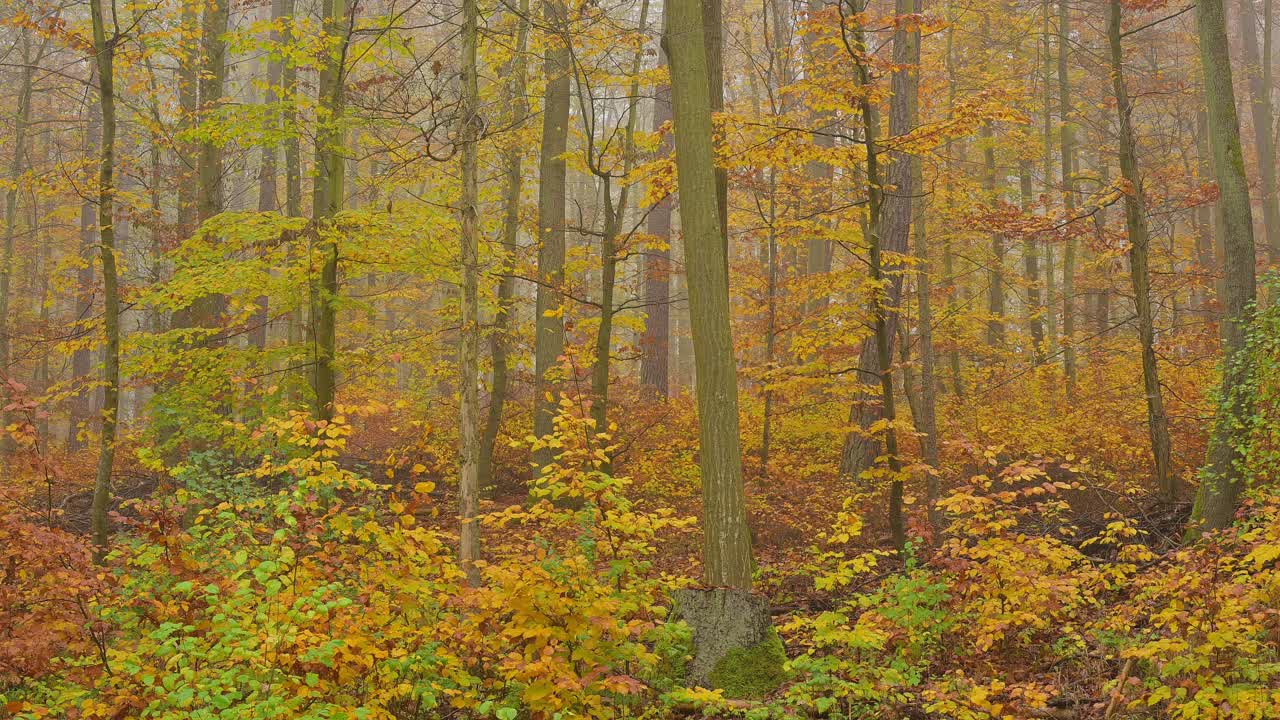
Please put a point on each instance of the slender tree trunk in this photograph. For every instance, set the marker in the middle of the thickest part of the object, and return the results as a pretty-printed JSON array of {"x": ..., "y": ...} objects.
[
  {"x": 189, "y": 106},
  {"x": 1206, "y": 260},
  {"x": 615, "y": 218},
  {"x": 818, "y": 249},
  {"x": 891, "y": 225},
  {"x": 104, "y": 50},
  {"x": 207, "y": 311},
  {"x": 655, "y": 369},
  {"x": 1102, "y": 298},
  {"x": 948, "y": 254},
  {"x": 46, "y": 273},
  {"x": 468, "y": 355},
  {"x": 995, "y": 272},
  {"x": 294, "y": 320},
  {"x": 604, "y": 334},
  {"x": 1259, "y": 76},
  {"x": 771, "y": 320},
  {"x": 727, "y": 540},
  {"x": 1067, "y": 152},
  {"x": 883, "y": 333},
  {"x": 1135, "y": 212},
  {"x": 552, "y": 173},
  {"x": 268, "y": 192},
  {"x": 1221, "y": 480},
  {"x": 1050, "y": 307},
  {"x": 82, "y": 358},
  {"x": 925, "y": 411},
  {"x": 16, "y": 169},
  {"x": 327, "y": 200},
  {"x": 1031, "y": 269},
  {"x": 517, "y": 90}
]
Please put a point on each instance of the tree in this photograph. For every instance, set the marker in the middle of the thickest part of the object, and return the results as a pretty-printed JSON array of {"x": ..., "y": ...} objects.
[
  {"x": 104, "y": 48},
  {"x": 1068, "y": 153},
  {"x": 655, "y": 363},
  {"x": 327, "y": 197},
  {"x": 552, "y": 174},
  {"x": 517, "y": 91},
  {"x": 468, "y": 352},
  {"x": 17, "y": 167},
  {"x": 726, "y": 537},
  {"x": 1135, "y": 212},
  {"x": 1259, "y": 72},
  {"x": 268, "y": 169},
  {"x": 1220, "y": 480}
]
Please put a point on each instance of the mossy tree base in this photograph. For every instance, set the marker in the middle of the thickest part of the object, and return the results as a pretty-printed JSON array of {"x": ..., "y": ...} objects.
[{"x": 735, "y": 646}]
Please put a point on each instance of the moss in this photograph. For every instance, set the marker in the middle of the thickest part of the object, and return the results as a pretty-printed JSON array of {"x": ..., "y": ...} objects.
[{"x": 751, "y": 673}]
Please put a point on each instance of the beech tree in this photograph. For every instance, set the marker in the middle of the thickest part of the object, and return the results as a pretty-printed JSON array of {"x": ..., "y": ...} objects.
[{"x": 1221, "y": 482}]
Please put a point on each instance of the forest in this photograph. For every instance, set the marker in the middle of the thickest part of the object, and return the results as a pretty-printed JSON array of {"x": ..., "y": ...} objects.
[{"x": 652, "y": 359}]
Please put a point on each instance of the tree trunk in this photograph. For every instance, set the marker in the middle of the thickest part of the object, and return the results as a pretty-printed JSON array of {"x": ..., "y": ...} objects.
[
  {"x": 615, "y": 215},
  {"x": 925, "y": 411},
  {"x": 655, "y": 368},
  {"x": 891, "y": 225},
  {"x": 468, "y": 354},
  {"x": 552, "y": 173},
  {"x": 16, "y": 169},
  {"x": 1259, "y": 75},
  {"x": 207, "y": 311},
  {"x": 1221, "y": 482},
  {"x": 104, "y": 50},
  {"x": 948, "y": 256},
  {"x": 517, "y": 90},
  {"x": 327, "y": 197},
  {"x": 1135, "y": 212},
  {"x": 1031, "y": 269},
  {"x": 771, "y": 321},
  {"x": 818, "y": 249},
  {"x": 713, "y": 31},
  {"x": 1206, "y": 259},
  {"x": 294, "y": 320},
  {"x": 268, "y": 193},
  {"x": 1050, "y": 307},
  {"x": 1067, "y": 151},
  {"x": 995, "y": 271},
  {"x": 727, "y": 541}
]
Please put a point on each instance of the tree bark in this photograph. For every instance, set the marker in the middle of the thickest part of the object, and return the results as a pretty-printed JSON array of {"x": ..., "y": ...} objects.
[
  {"x": 890, "y": 225},
  {"x": 1050, "y": 307},
  {"x": 1206, "y": 258},
  {"x": 517, "y": 90},
  {"x": 1135, "y": 211},
  {"x": 1067, "y": 152},
  {"x": 995, "y": 271},
  {"x": 655, "y": 360},
  {"x": 615, "y": 214},
  {"x": 1031, "y": 269},
  {"x": 552, "y": 173},
  {"x": 1221, "y": 480},
  {"x": 82, "y": 358},
  {"x": 727, "y": 541},
  {"x": 818, "y": 249},
  {"x": 16, "y": 169},
  {"x": 104, "y": 50},
  {"x": 327, "y": 197},
  {"x": 268, "y": 191},
  {"x": 468, "y": 353},
  {"x": 207, "y": 311},
  {"x": 1259, "y": 76},
  {"x": 713, "y": 30}
]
